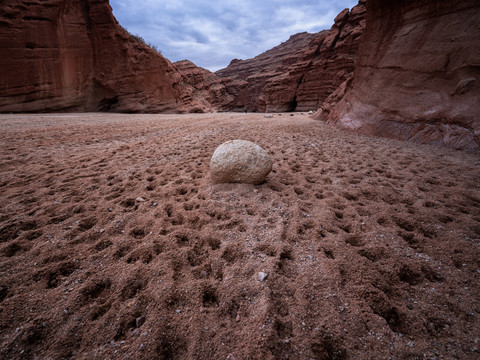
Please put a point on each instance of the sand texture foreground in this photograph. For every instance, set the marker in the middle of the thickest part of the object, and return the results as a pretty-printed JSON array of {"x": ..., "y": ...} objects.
[{"x": 115, "y": 244}]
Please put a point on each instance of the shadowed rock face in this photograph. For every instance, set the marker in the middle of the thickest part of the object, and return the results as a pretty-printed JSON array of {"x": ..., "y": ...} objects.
[
  {"x": 301, "y": 73},
  {"x": 208, "y": 88},
  {"x": 73, "y": 56},
  {"x": 417, "y": 75},
  {"x": 275, "y": 65}
]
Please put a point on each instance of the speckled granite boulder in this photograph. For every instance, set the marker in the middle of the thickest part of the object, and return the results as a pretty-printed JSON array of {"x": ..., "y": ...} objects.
[{"x": 240, "y": 161}]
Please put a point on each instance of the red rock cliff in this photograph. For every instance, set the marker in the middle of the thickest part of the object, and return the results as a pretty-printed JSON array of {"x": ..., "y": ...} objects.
[
  {"x": 73, "y": 56},
  {"x": 417, "y": 75},
  {"x": 247, "y": 79},
  {"x": 299, "y": 74},
  {"x": 209, "y": 89}
]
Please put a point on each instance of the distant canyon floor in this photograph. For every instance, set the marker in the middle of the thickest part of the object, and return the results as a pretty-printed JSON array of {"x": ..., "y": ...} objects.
[{"x": 114, "y": 243}]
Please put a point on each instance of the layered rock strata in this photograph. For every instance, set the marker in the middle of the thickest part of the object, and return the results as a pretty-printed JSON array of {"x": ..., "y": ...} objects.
[
  {"x": 209, "y": 90},
  {"x": 65, "y": 55},
  {"x": 301, "y": 73}
]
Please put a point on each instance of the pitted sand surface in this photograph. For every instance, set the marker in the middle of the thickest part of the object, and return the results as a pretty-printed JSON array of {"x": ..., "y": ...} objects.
[{"x": 115, "y": 244}]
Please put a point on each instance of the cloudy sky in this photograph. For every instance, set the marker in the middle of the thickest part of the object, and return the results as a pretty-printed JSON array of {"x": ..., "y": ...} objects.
[{"x": 212, "y": 33}]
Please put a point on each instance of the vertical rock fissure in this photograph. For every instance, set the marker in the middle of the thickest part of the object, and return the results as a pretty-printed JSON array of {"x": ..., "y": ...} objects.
[
  {"x": 340, "y": 29},
  {"x": 88, "y": 25}
]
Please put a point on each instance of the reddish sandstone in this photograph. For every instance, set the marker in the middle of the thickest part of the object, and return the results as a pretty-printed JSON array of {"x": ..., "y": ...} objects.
[
  {"x": 417, "y": 75},
  {"x": 73, "y": 55},
  {"x": 301, "y": 73},
  {"x": 208, "y": 88}
]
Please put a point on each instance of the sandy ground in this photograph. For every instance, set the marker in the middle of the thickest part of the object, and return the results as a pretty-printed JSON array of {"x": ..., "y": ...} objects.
[{"x": 114, "y": 243}]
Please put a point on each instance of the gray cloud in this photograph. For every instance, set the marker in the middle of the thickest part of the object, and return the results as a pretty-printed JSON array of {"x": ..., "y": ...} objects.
[{"x": 212, "y": 34}]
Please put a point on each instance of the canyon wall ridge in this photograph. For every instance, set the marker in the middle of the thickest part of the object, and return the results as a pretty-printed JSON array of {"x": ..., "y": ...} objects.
[{"x": 299, "y": 74}]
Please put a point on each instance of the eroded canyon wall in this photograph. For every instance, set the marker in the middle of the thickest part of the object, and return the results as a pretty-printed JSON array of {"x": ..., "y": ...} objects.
[
  {"x": 283, "y": 64},
  {"x": 66, "y": 55},
  {"x": 417, "y": 76},
  {"x": 212, "y": 92},
  {"x": 299, "y": 74}
]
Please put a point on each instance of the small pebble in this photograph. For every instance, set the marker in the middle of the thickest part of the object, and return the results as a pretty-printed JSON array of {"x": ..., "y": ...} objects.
[
  {"x": 262, "y": 276},
  {"x": 110, "y": 209},
  {"x": 140, "y": 199},
  {"x": 140, "y": 321}
]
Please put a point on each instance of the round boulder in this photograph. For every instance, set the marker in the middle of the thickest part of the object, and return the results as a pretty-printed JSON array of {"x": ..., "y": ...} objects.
[{"x": 240, "y": 161}]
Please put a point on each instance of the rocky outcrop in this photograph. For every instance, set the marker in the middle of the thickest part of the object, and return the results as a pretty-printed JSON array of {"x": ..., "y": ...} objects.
[
  {"x": 417, "y": 76},
  {"x": 301, "y": 73},
  {"x": 209, "y": 90},
  {"x": 335, "y": 60},
  {"x": 65, "y": 55},
  {"x": 265, "y": 68}
]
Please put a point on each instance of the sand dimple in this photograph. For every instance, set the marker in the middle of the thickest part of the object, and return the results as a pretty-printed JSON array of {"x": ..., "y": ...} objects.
[{"x": 114, "y": 243}]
